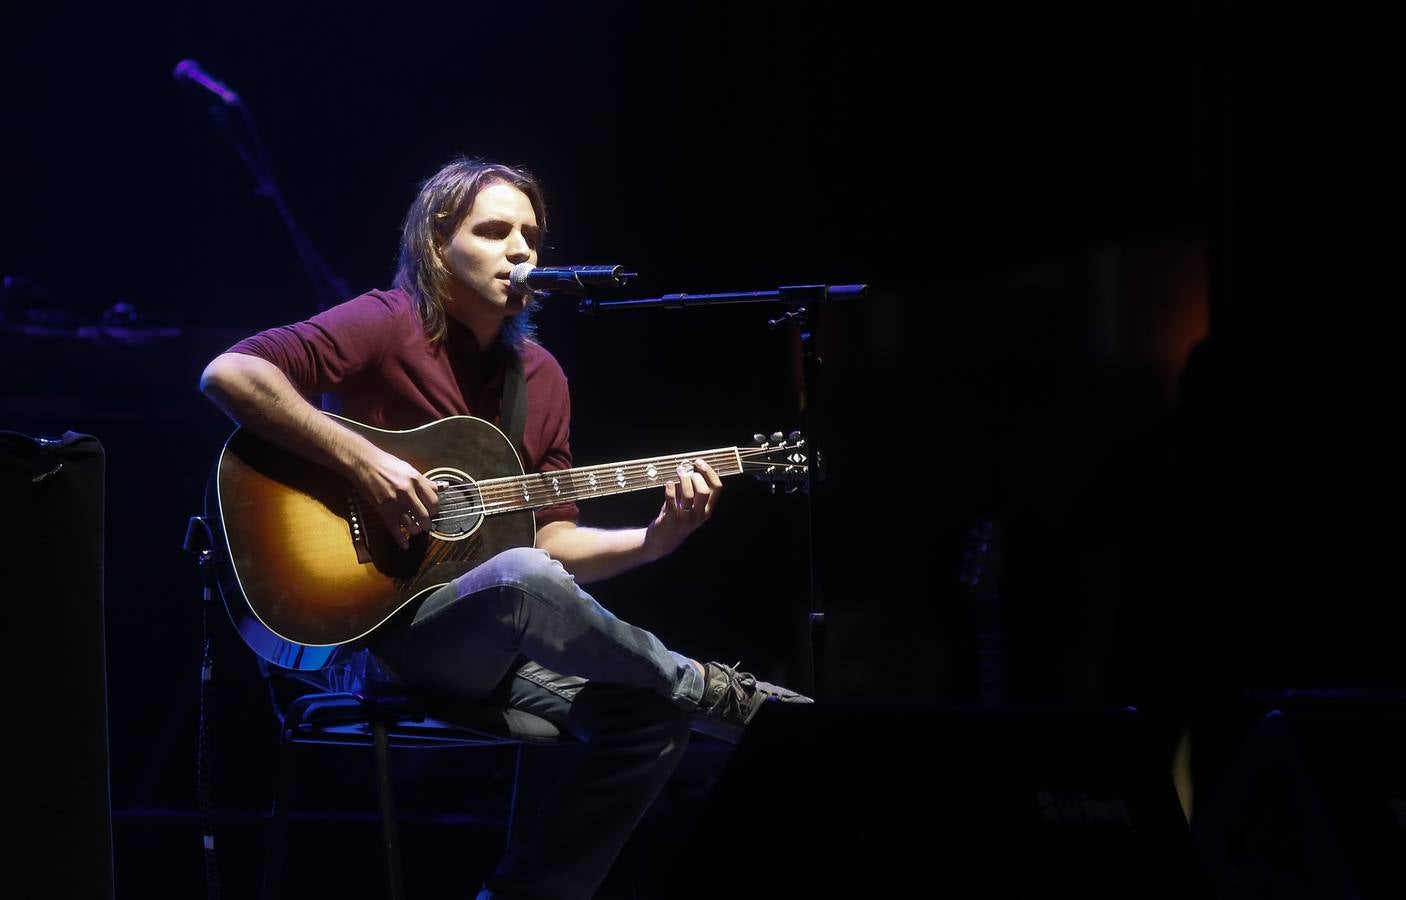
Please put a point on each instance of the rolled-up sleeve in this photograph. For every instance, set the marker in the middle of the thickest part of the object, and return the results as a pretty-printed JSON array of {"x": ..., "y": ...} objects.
[{"x": 322, "y": 352}]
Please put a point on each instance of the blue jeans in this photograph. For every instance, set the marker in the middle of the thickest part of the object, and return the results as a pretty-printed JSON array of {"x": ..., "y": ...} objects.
[{"x": 518, "y": 629}]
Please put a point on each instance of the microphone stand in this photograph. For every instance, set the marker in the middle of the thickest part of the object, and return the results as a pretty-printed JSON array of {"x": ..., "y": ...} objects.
[
  {"x": 804, "y": 304},
  {"x": 328, "y": 287}
]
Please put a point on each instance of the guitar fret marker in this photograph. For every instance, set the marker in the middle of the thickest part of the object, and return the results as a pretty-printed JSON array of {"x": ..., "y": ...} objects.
[
  {"x": 652, "y": 472},
  {"x": 620, "y": 477}
]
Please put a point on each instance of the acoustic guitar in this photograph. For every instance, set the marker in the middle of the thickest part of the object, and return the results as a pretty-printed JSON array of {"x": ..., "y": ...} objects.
[{"x": 308, "y": 566}]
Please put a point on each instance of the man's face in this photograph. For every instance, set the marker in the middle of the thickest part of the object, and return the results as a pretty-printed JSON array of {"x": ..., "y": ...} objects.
[{"x": 499, "y": 232}]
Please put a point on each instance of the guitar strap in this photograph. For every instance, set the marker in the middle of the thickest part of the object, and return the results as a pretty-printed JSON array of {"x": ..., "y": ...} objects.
[{"x": 512, "y": 409}]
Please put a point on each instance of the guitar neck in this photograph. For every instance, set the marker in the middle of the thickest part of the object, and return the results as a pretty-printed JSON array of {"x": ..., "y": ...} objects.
[{"x": 538, "y": 489}]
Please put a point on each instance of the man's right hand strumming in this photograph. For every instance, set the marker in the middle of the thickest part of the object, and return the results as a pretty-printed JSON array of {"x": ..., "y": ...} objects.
[
  {"x": 257, "y": 395},
  {"x": 405, "y": 500}
]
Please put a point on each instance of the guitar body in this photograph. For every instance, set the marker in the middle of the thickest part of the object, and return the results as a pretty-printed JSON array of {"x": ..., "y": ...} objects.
[{"x": 308, "y": 565}]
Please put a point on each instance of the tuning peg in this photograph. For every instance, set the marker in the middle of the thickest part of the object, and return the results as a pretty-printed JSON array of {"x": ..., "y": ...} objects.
[
  {"x": 759, "y": 438},
  {"x": 793, "y": 436},
  {"x": 777, "y": 437}
]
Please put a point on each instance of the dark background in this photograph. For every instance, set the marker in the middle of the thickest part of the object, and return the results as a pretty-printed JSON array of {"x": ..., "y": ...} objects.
[{"x": 1133, "y": 276}]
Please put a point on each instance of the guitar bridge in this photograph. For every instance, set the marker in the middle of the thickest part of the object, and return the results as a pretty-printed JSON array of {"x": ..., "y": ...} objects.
[{"x": 358, "y": 529}]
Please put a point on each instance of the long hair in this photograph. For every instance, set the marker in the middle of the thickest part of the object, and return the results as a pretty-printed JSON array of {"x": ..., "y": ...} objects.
[{"x": 443, "y": 203}]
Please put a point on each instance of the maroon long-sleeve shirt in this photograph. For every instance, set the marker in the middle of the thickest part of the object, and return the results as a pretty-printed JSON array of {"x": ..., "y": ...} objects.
[{"x": 371, "y": 352}]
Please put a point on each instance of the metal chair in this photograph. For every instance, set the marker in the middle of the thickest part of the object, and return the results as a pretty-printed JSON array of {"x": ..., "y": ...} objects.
[
  {"x": 378, "y": 721},
  {"x": 381, "y": 723}
]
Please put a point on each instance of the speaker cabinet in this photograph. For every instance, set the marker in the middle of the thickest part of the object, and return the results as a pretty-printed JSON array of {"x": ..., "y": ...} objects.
[
  {"x": 1315, "y": 806},
  {"x": 51, "y": 507}
]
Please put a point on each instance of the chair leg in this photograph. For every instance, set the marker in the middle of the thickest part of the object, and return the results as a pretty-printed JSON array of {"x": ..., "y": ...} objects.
[
  {"x": 389, "y": 834},
  {"x": 512, "y": 800},
  {"x": 278, "y": 818}
]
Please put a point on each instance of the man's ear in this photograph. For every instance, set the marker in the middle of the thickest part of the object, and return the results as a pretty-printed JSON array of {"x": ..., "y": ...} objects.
[
  {"x": 438, "y": 239},
  {"x": 437, "y": 247}
]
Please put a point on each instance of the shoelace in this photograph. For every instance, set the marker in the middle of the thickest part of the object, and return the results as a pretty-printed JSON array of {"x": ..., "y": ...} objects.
[{"x": 740, "y": 687}]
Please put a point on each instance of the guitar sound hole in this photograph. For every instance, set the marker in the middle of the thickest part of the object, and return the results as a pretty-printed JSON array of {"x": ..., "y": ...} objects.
[{"x": 460, "y": 505}]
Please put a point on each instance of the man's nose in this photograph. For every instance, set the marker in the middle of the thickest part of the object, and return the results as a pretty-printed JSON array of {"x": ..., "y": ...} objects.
[{"x": 518, "y": 249}]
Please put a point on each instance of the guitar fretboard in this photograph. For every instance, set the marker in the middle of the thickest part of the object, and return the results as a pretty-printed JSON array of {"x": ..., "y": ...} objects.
[{"x": 539, "y": 489}]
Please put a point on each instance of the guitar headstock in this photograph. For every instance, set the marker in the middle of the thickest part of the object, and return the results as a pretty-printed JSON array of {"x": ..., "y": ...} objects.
[{"x": 780, "y": 460}]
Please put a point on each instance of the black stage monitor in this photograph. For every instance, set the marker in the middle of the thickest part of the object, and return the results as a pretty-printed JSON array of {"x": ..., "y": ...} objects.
[{"x": 825, "y": 801}]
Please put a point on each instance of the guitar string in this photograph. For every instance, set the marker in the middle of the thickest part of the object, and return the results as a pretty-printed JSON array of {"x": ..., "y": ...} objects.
[
  {"x": 501, "y": 494},
  {"x": 682, "y": 458},
  {"x": 503, "y": 490},
  {"x": 583, "y": 483},
  {"x": 507, "y": 485},
  {"x": 510, "y": 487},
  {"x": 467, "y": 508},
  {"x": 506, "y": 497}
]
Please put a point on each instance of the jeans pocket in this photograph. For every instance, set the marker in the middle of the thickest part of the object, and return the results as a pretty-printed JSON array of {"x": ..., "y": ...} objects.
[{"x": 564, "y": 686}]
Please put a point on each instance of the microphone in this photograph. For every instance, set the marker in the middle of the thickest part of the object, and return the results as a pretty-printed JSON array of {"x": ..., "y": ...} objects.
[
  {"x": 189, "y": 70},
  {"x": 528, "y": 279}
]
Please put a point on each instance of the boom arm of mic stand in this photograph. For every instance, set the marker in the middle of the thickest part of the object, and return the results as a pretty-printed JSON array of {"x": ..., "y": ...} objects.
[{"x": 794, "y": 294}]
